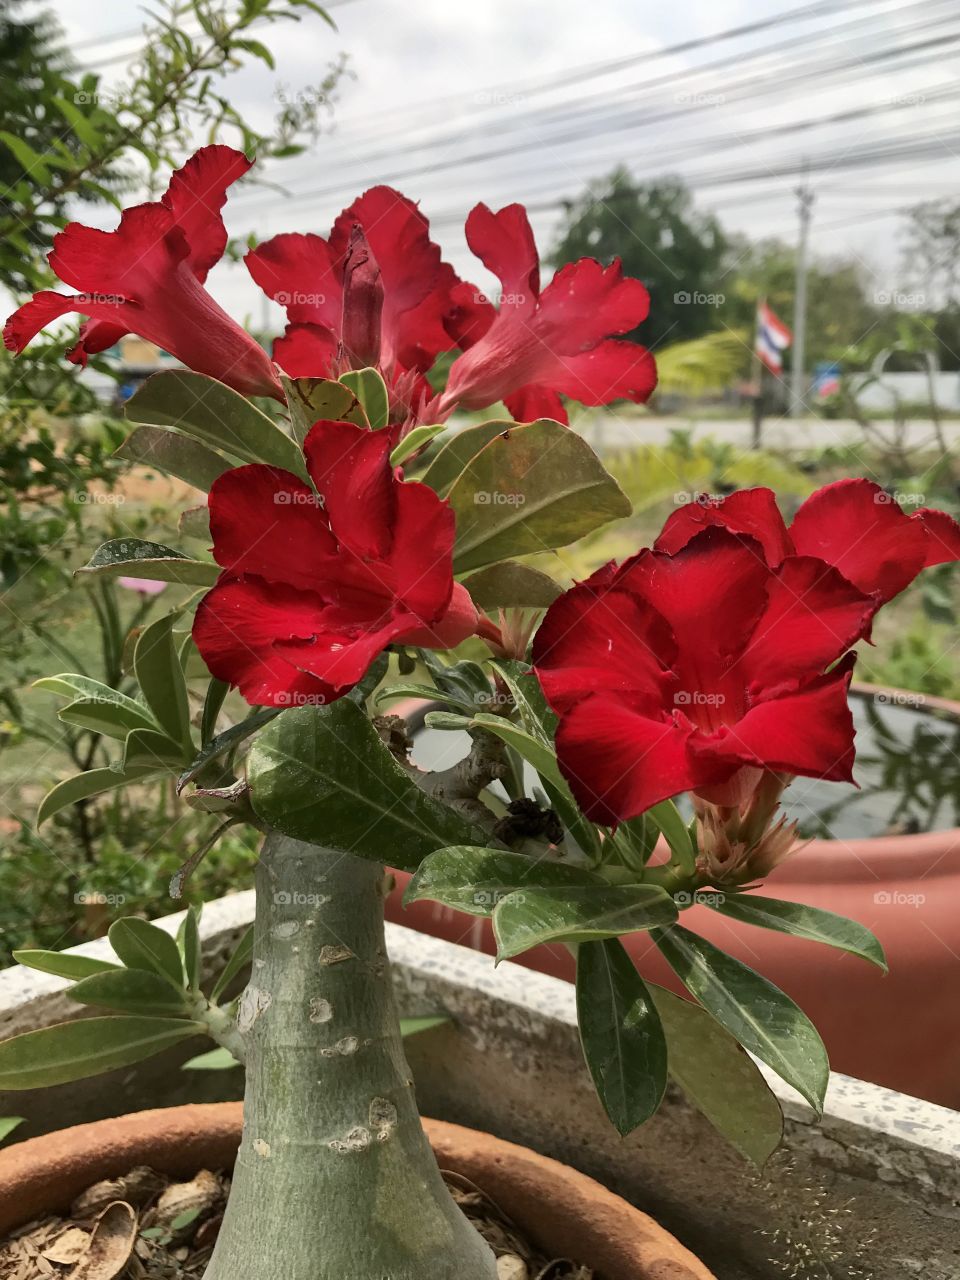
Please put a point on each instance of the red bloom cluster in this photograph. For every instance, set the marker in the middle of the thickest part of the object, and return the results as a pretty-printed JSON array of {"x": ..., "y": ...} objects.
[
  {"x": 713, "y": 657},
  {"x": 318, "y": 581},
  {"x": 147, "y": 278}
]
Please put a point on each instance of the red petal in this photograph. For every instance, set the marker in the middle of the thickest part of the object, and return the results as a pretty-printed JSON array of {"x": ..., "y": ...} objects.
[
  {"x": 469, "y": 314},
  {"x": 350, "y": 466},
  {"x": 618, "y": 763},
  {"x": 298, "y": 272},
  {"x": 603, "y": 641},
  {"x": 266, "y": 521},
  {"x": 420, "y": 562},
  {"x": 809, "y": 732},
  {"x": 344, "y": 646},
  {"x": 612, "y": 370},
  {"x": 749, "y": 511},
  {"x": 235, "y": 630},
  {"x": 505, "y": 245},
  {"x": 813, "y": 615},
  {"x": 459, "y": 621},
  {"x": 530, "y": 403},
  {"x": 95, "y": 336},
  {"x": 195, "y": 196},
  {"x": 44, "y": 307},
  {"x": 943, "y": 536},
  {"x": 857, "y": 527},
  {"x": 306, "y": 351},
  {"x": 129, "y": 262},
  {"x": 586, "y": 301}
]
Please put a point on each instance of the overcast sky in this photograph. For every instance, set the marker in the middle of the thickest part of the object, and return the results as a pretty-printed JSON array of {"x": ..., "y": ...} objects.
[{"x": 463, "y": 90}]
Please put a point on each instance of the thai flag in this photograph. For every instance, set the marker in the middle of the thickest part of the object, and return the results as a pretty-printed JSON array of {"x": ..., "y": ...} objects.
[{"x": 773, "y": 338}]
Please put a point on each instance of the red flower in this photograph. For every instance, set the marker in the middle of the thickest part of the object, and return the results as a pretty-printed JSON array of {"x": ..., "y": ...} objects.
[
  {"x": 317, "y": 582},
  {"x": 853, "y": 525},
  {"x": 379, "y": 275},
  {"x": 541, "y": 344},
  {"x": 147, "y": 278},
  {"x": 699, "y": 670}
]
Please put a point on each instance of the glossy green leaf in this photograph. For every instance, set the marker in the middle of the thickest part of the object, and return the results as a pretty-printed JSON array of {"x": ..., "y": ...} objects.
[
  {"x": 213, "y": 413},
  {"x": 423, "y": 691},
  {"x": 537, "y": 915},
  {"x": 414, "y": 441},
  {"x": 130, "y": 991},
  {"x": 139, "y": 559},
  {"x": 758, "y": 1014},
  {"x": 311, "y": 400},
  {"x": 458, "y": 451},
  {"x": 621, "y": 1034},
  {"x": 239, "y": 958},
  {"x": 719, "y": 1077},
  {"x": 532, "y": 488},
  {"x": 29, "y": 160},
  {"x": 63, "y": 963},
  {"x": 188, "y": 944},
  {"x": 194, "y": 522},
  {"x": 218, "y": 1059},
  {"x": 801, "y": 921},
  {"x": 323, "y": 774},
  {"x": 213, "y": 701},
  {"x": 87, "y": 1047},
  {"x": 88, "y": 695},
  {"x": 226, "y": 742},
  {"x": 148, "y": 748},
  {"x": 475, "y": 879},
  {"x": 174, "y": 455},
  {"x": 156, "y": 665},
  {"x": 84, "y": 785},
  {"x": 413, "y": 1026},
  {"x": 8, "y": 1124},
  {"x": 510, "y": 585},
  {"x": 371, "y": 391},
  {"x": 667, "y": 818},
  {"x": 141, "y": 945}
]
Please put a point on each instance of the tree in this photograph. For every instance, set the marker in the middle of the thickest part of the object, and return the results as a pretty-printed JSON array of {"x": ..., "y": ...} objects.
[{"x": 654, "y": 228}]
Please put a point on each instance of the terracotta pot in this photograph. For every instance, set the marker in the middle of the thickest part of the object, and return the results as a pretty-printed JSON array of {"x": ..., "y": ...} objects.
[
  {"x": 561, "y": 1211},
  {"x": 896, "y": 1030}
]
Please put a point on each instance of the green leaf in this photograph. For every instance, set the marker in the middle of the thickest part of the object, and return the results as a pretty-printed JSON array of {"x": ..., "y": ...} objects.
[
  {"x": 801, "y": 921},
  {"x": 87, "y": 1047},
  {"x": 532, "y": 488},
  {"x": 510, "y": 585},
  {"x": 621, "y": 1035},
  {"x": 475, "y": 879},
  {"x": 238, "y": 960},
  {"x": 8, "y": 1124},
  {"x": 458, "y": 451},
  {"x": 758, "y": 1014},
  {"x": 667, "y": 818},
  {"x": 29, "y": 160},
  {"x": 207, "y": 410},
  {"x": 213, "y": 701},
  {"x": 81, "y": 125},
  {"x": 323, "y": 774},
  {"x": 258, "y": 49},
  {"x": 139, "y": 559},
  {"x": 63, "y": 964},
  {"x": 218, "y": 1059},
  {"x": 130, "y": 991},
  {"x": 194, "y": 522},
  {"x": 141, "y": 945},
  {"x": 371, "y": 391},
  {"x": 188, "y": 944},
  {"x": 635, "y": 841},
  {"x": 174, "y": 455},
  {"x": 125, "y": 713},
  {"x": 226, "y": 741},
  {"x": 156, "y": 665},
  {"x": 466, "y": 681},
  {"x": 311, "y": 400},
  {"x": 84, "y": 785},
  {"x": 534, "y": 916},
  {"x": 416, "y": 439},
  {"x": 719, "y": 1077},
  {"x": 148, "y": 748},
  {"x": 424, "y": 691},
  {"x": 413, "y": 1026}
]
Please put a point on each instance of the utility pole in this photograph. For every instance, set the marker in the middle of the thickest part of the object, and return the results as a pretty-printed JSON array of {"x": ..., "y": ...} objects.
[{"x": 805, "y": 200}]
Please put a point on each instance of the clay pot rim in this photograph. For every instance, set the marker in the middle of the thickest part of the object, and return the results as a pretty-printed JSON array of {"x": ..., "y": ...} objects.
[
  {"x": 880, "y": 855},
  {"x": 44, "y": 1174}
]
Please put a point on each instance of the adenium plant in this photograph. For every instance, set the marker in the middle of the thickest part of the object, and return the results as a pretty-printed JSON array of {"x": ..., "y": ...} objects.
[{"x": 339, "y": 584}]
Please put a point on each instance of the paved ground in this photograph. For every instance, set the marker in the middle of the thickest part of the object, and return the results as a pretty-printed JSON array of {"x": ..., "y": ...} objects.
[{"x": 608, "y": 431}]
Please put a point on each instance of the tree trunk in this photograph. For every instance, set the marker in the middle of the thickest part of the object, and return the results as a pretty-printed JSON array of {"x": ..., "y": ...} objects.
[{"x": 335, "y": 1179}]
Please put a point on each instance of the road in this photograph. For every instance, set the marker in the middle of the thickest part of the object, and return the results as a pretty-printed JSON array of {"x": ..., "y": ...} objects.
[{"x": 609, "y": 431}]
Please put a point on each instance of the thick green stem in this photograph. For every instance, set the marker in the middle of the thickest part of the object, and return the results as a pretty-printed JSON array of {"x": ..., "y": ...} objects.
[{"x": 335, "y": 1179}]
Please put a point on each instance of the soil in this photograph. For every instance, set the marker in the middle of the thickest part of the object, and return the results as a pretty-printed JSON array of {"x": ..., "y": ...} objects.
[{"x": 147, "y": 1226}]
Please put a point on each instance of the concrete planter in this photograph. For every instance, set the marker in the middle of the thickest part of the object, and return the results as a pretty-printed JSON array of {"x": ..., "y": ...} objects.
[{"x": 875, "y": 1184}]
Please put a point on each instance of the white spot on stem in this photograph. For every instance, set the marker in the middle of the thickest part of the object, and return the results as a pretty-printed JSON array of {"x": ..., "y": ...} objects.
[
  {"x": 357, "y": 1139},
  {"x": 253, "y": 1002},
  {"x": 342, "y": 1049},
  {"x": 261, "y": 1148},
  {"x": 335, "y": 955},
  {"x": 320, "y": 1010}
]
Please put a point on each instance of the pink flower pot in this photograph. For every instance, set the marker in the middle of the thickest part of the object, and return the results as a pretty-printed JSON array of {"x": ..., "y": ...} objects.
[{"x": 899, "y": 1029}]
